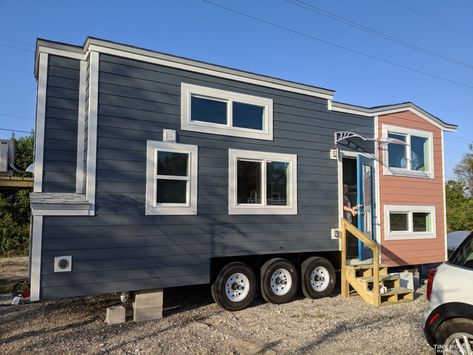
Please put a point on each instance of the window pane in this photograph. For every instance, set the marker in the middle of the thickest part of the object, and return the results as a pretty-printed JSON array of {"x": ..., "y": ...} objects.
[
  {"x": 464, "y": 255},
  {"x": 398, "y": 222},
  {"x": 276, "y": 189},
  {"x": 249, "y": 182},
  {"x": 421, "y": 222},
  {"x": 419, "y": 155},
  {"x": 208, "y": 110},
  {"x": 171, "y": 191},
  {"x": 247, "y": 116},
  {"x": 170, "y": 163},
  {"x": 397, "y": 152}
]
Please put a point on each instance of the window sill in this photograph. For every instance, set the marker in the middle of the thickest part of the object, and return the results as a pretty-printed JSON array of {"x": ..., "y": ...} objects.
[
  {"x": 246, "y": 210},
  {"x": 410, "y": 236},
  {"x": 170, "y": 211},
  {"x": 226, "y": 130},
  {"x": 407, "y": 173}
]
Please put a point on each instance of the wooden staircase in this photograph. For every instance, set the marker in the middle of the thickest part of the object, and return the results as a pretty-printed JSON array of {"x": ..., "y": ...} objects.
[{"x": 370, "y": 281}]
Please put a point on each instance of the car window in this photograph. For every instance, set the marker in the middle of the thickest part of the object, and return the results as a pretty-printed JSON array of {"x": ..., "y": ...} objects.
[{"x": 463, "y": 256}]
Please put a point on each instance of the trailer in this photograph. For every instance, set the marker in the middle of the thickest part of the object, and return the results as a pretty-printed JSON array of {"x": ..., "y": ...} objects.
[{"x": 154, "y": 171}]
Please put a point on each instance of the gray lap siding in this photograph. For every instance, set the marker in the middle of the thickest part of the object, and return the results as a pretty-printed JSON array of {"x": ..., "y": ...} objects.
[{"x": 121, "y": 249}]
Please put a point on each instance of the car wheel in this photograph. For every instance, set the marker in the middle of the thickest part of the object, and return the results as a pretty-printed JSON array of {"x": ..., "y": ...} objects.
[
  {"x": 318, "y": 277},
  {"x": 455, "y": 336},
  {"x": 278, "y": 281},
  {"x": 235, "y": 286}
]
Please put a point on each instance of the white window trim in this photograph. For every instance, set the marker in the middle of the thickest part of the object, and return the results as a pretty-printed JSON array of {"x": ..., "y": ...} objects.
[
  {"x": 187, "y": 90},
  {"x": 152, "y": 208},
  {"x": 409, "y": 234},
  {"x": 407, "y": 171},
  {"x": 234, "y": 208}
]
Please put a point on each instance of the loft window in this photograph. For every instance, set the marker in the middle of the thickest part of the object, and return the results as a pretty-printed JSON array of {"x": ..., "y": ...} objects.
[
  {"x": 171, "y": 179},
  {"x": 262, "y": 183},
  {"x": 414, "y": 158},
  {"x": 410, "y": 222},
  {"x": 216, "y": 111}
]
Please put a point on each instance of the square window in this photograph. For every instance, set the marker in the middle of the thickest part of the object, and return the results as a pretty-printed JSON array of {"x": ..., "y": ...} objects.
[
  {"x": 421, "y": 221},
  {"x": 248, "y": 116},
  {"x": 276, "y": 180},
  {"x": 262, "y": 183},
  {"x": 249, "y": 182},
  {"x": 208, "y": 110},
  {"x": 398, "y": 222},
  {"x": 171, "y": 179}
]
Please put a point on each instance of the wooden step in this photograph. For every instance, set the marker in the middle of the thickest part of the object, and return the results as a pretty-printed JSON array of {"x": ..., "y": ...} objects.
[
  {"x": 390, "y": 281},
  {"x": 365, "y": 270},
  {"x": 396, "y": 295}
]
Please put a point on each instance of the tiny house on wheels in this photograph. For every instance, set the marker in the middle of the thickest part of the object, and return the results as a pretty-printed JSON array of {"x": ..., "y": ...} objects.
[{"x": 154, "y": 171}]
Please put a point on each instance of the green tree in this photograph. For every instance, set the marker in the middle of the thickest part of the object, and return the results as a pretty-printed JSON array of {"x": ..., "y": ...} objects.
[
  {"x": 464, "y": 170},
  {"x": 459, "y": 207},
  {"x": 24, "y": 152}
]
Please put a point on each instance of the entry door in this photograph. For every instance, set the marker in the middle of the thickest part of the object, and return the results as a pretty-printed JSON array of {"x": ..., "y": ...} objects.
[{"x": 366, "y": 203}]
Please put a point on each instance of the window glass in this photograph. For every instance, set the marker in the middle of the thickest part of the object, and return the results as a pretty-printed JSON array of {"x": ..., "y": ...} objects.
[
  {"x": 397, "y": 152},
  {"x": 419, "y": 153},
  {"x": 398, "y": 222},
  {"x": 463, "y": 256},
  {"x": 170, "y": 163},
  {"x": 276, "y": 183},
  {"x": 247, "y": 116},
  {"x": 171, "y": 191},
  {"x": 249, "y": 182},
  {"x": 208, "y": 110},
  {"x": 421, "y": 222}
]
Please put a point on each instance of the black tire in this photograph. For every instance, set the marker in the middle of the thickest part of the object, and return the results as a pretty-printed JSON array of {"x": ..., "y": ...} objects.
[
  {"x": 309, "y": 286},
  {"x": 450, "y": 327},
  {"x": 219, "y": 292},
  {"x": 267, "y": 273}
]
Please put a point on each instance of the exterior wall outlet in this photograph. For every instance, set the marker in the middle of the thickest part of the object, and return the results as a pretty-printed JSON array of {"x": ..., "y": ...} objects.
[
  {"x": 334, "y": 153},
  {"x": 169, "y": 135},
  {"x": 335, "y": 233},
  {"x": 63, "y": 263}
]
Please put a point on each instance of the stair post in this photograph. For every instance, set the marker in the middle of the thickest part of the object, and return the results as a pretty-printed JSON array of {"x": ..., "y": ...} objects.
[
  {"x": 345, "y": 288},
  {"x": 377, "y": 299}
]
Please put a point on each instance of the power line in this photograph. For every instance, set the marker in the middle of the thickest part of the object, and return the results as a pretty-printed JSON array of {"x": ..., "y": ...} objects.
[
  {"x": 16, "y": 41},
  {"x": 332, "y": 44},
  {"x": 377, "y": 33},
  {"x": 15, "y": 69},
  {"x": 14, "y": 130},
  {"x": 18, "y": 48},
  {"x": 431, "y": 18},
  {"x": 16, "y": 116}
]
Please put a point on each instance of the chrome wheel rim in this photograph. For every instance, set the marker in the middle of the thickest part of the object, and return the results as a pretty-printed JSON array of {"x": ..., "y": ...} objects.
[
  {"x": 319, "y": 279},
  {"x": 237, "y": 287},
  {"x": 459, "y": 343},
  {"x": 281, "y": 282}
]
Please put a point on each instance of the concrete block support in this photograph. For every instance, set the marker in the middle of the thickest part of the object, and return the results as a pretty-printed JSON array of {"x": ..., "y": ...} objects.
[
  {"x": 148, "y": 305},
  {"x": 115, "y": 315}
]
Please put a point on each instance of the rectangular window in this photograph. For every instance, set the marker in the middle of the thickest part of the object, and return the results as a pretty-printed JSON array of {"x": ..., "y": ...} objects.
[
  {"x": 414, "y": 158},
  {"x": 216, "y": 111},
  {"x": 171, "y": 178},
  {"x": 409, "y": 222},
  {"x": 262, "y": 183}
]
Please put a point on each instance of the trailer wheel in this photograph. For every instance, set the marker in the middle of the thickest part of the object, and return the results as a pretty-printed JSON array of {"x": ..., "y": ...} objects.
[
  {"x": 278, "y": 281},
  {"x": 235, "y": 286},
  {"x": 318, "y": 277}
]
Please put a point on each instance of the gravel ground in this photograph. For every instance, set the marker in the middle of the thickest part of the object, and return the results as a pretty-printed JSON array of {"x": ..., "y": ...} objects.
[{"x": 193, "y": 324}]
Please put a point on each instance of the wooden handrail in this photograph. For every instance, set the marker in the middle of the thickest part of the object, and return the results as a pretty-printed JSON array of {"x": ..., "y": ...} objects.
[{"x": 375, "y": 247}]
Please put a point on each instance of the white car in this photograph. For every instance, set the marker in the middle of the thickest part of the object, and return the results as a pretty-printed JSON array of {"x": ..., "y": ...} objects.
[{"x": 448, "y": 321}]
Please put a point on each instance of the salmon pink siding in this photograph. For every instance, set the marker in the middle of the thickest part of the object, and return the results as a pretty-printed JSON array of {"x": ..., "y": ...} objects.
[{"x": 413, "y": 191}]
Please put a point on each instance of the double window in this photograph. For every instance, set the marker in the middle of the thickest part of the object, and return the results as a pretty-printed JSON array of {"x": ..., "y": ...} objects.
[
  {"x": 262, "y": 183},
  {"x": 171, "y": 179},
  {"x": 410, "y": 153},
  {"x": 410, "y": 222},
  {"x": 223, "y": 112}
]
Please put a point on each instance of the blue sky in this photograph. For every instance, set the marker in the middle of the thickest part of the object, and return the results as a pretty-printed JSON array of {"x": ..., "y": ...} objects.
[{"x": 202, "y": 31}]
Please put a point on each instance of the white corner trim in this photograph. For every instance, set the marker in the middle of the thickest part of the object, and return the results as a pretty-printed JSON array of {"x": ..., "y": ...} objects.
[
  {"x": 444, "y": 199},
  {"x": 151, "y": 207},
  {"x": 410, "y": 234},
  {"x": 81, "y": 128},
  {"x": 35, "y": 258},
  {"x": 92, "y": 129},
  {"x": 406, "y": 171},
  {"x": 234, "y": 208},
  {"x": 40, "y": 122},
  {"x": 187, "y": 90},
  {"x": 377, "y": 187}
]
